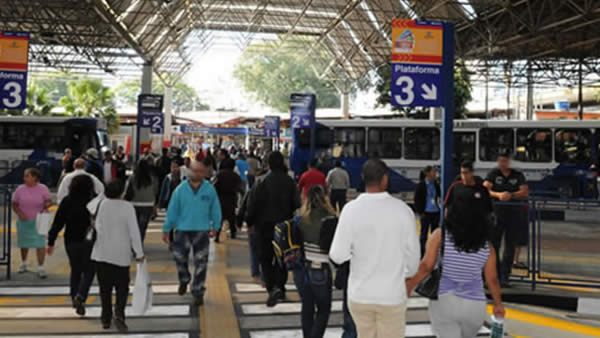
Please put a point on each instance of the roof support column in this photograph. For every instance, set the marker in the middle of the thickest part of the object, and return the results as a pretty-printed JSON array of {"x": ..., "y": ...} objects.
[
  {"x": 580, "y": 89},
  {"x": 345, "y": 98},
  {"x": 529, "y": 91},
  {"x": 487, "y": 90},
  {"x": 147, "y": 78},
  {"x": 168, "y": 112},
  {"x": 143, "y": 134}
]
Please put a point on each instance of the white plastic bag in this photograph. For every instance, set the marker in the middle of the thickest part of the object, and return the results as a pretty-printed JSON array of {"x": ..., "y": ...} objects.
[
  {"x": 142, "y": 290},
  {"x": 43, "y": 221}
]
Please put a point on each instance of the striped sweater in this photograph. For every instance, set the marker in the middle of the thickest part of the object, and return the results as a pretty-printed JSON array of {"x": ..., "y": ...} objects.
[{"x": 462, "y": 272}]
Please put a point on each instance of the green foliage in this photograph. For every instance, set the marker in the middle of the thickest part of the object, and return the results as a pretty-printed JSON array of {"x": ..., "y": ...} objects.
[
  {"x": 89, "y": 98},
  {"x": 55, "y": 83},
  {"x": 270, "y": 76},
  {"x": 185, "y": 97},
  {"x": 462, "y": 90}
]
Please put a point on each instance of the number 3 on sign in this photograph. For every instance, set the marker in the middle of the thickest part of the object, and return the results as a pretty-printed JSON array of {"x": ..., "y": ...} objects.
[
  {"x": 407, "y": 84},
  {"x": 14, "y": 92}
]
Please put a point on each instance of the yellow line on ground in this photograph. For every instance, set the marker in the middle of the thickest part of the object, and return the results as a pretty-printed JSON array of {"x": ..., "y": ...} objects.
[
  {"x": 12, "y": 300},
  {"x": 549, "y": 322},
  {"x": 56, "y": 300}
]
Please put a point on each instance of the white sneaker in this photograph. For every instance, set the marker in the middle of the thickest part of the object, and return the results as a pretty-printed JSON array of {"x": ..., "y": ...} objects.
[
  {"x": 42, "y": 273},
  {"x": 23, "y": 268}
]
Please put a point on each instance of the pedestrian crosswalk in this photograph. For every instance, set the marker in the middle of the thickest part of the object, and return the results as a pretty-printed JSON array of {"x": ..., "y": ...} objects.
[
  {"x": 32, "y": 309},
  {"x": 283, "y": 321}
]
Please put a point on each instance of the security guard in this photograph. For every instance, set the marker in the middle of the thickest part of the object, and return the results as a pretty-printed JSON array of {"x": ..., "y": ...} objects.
[{"x": 509, "y": 189}]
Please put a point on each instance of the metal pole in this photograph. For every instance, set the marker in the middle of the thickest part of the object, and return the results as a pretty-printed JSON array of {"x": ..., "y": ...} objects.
[
  {"x": 487, "y": 90},
  {"x": 529, "y": 91},
  {"x": 580, "y": 94},
  {"x": 345, "y": 105},
  {"x": 448, "y": 115}
]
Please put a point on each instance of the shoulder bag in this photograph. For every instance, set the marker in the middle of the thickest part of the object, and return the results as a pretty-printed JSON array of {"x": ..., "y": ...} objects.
[
  {"x": 430, "y": 286},
  {"x": 91, "y": 232}
]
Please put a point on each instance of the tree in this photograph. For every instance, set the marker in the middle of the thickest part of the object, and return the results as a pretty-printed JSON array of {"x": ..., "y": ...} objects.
[
  {"x": 462, "y": 90},
  {"x": 89, "y": 98},
  {"x": 185, "y": 97},
  {"x": 270, "y": 76}
]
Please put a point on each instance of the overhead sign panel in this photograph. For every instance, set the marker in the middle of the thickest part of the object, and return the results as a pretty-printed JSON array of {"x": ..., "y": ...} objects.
[
  {"x": 302, "y": 110},
  {"x": 14, "y": 51},
  {"x": 271, "y": 126},
  {"x": 417, "y": 63},
  {"x": 150, "y": 113}
]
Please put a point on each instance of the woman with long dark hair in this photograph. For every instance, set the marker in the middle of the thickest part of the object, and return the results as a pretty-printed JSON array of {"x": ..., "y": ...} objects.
[
  {"x": 314, "y": 280},
  {"x": 73, "y": 214},
  {"x": 142, "y": 189},
  {"x": 460, "y": 310}
]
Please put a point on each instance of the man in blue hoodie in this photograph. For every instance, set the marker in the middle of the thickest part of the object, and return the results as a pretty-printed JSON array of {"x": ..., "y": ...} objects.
[{"x": 195, "y": 214}]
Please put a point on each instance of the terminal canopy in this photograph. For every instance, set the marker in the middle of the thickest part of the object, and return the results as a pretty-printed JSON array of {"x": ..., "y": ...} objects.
[{"x": 119, "y": 36}]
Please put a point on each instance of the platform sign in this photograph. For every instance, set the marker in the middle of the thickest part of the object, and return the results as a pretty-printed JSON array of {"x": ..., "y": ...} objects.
[
  {"x": 150, "y": 116},
  {"x": 302, "y": 110},
  {"x": 271, "y": 126},
  {"x": 417, "y": 63},
  {"x": 14, "y": 51}
]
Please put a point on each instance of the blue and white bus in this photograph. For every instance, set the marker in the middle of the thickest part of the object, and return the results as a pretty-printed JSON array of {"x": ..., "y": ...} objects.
[
  {"x": 555, "y": 156},
  {"x": 40, "y": 142}
]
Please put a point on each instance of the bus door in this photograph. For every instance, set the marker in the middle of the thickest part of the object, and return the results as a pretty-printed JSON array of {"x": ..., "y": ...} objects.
[{"x": 81, "y": 136}]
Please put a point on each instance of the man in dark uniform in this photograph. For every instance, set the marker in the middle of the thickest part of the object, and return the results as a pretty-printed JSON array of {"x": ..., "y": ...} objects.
[
  {"x": 509, "y": 186},
  {"x": 468, "y": 191}
]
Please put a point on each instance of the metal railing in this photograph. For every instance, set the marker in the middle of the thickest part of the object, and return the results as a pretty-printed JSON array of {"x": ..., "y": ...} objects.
[
  {"x": 6, "y": 228},
  {"x": 564, "y": 243}
]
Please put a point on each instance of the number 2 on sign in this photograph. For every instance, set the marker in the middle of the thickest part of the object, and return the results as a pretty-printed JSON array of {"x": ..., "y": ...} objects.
[
  {"x": 407, "y": 84},
  {"x": 295, "y": 122},
  {"x": 14, "y": 92}
]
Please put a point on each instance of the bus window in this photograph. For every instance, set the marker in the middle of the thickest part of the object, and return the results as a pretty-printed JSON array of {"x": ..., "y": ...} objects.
[
  {"x": 422, "y": 143},
  {"x": 351, "y": 141},
  {"x": 464, "y": 147},
  {"x": 324, "y": 138},
  {"x": 493, "y": 142},
  {"x": 304, "y": 138},
  {"x": 534, "y": 145},
  {"x": 573, "y": 145},
  {"x": 385, "y": 142},
  {"x": 48, "y": 137}
]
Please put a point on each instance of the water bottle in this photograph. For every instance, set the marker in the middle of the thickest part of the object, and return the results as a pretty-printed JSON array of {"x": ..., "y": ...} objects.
[{"x": 497, "y": 327}]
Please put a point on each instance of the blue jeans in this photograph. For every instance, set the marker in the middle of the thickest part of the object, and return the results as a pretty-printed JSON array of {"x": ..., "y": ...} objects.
[
  {"x": 143, "y": 214},
  {"x": 254, "y": 267},
  {"x": 314, "y": 286},
  {"x": 198, "y": 242}
]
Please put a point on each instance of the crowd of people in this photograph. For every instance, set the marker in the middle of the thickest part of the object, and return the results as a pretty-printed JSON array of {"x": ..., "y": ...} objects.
[{"x": 373, "y": 252}]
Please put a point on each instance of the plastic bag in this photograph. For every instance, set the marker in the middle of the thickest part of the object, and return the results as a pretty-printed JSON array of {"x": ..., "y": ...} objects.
[
  {"x": 43, "y": 221},
  {"x": 142, "y": 290}
]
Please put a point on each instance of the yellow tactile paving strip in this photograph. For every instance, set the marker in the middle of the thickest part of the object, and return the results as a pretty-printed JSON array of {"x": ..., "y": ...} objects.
[{"x": 217, "y": 316}]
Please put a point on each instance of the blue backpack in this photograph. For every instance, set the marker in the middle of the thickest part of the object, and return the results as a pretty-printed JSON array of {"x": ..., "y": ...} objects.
[{"x": 287, "y": 243}]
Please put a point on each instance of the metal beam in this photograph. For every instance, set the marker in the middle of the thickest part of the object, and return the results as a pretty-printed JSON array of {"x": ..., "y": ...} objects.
[{"x": 105, "y": 11}]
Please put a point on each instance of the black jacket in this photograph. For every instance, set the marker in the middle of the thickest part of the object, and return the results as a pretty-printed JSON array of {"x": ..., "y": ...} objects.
[
  {"x": 273, "y": 200},
  {"x": 421, "y": 196},
  {"x": 73, "y": 214}
]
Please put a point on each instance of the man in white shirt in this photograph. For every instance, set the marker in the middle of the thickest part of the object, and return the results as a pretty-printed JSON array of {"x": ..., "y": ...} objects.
[
  {"x": 108, "y": 167},
  {"x": 79, "y": 165},
  {"x": 377, "y": 234}
]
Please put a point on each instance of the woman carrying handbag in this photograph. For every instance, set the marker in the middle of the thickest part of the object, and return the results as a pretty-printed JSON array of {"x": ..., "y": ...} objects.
[{"x": 458, "y": 308}]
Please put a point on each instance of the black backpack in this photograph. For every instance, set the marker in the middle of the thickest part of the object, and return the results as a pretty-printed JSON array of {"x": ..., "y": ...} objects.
[
  {"x": 287, "y": 243},
  {"x": 328, "y": 226}
]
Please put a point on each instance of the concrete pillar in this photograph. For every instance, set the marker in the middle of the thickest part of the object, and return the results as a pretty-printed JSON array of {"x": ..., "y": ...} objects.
[
  {"x": 143, "y": 134},
  {"x": 168, "y": 107},
  {"x": 488, "y": 115},
  {"x": 147, "y": 78},
  {"x": 435, "y": 113},
  {"x": 345, "y": 106}
]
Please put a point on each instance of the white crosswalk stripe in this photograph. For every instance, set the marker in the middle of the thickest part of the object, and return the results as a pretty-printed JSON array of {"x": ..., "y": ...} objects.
[
  {"x": 260, "y": 321},
  {"x": 64, "y": 290},
  {"x": 92, "y": 312}
]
